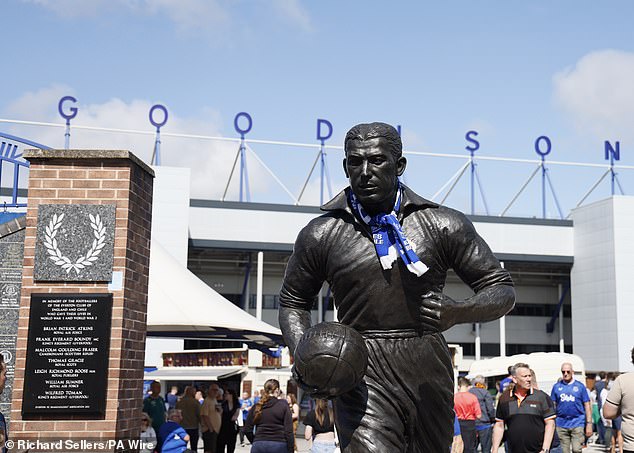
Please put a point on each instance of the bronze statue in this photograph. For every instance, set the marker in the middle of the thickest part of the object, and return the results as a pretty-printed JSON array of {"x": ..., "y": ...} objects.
[{"x": 385, "y": 252}]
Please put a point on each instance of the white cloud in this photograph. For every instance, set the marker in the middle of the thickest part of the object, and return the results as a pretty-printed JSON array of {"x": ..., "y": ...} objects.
[
  {"x": 293, "y": 11},
  {"x": 209, "y": 160},
  {"x": 192, "y": 17},
  {"x": 72, "y": 8},
  {"x": 597, "y": 94},
  {"x": 39, "y": 105}
]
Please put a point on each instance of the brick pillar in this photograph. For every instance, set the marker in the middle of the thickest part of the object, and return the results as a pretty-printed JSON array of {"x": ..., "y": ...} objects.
[{"x": 93, "y": 177}]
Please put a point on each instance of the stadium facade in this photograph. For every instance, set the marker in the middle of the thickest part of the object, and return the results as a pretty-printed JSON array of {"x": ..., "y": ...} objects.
[{"x": 573, "y": 277}]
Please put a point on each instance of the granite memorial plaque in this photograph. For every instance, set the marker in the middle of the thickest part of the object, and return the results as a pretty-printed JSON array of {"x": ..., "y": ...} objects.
[
  {"x": 11, "y": 257},
  {"x": 74, "y": 242},
  {"x": 67, "y": 354}
]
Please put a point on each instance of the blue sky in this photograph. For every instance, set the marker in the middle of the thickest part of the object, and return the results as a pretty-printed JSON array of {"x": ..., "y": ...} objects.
[{"x": 510, "y": 70}]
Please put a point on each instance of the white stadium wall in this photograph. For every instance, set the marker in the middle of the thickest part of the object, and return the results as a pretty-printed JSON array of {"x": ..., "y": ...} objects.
[
  {"x": 602, "y": 283},
  {"x": 278, "y": 226},
  {"x": 170, "y": 210}
]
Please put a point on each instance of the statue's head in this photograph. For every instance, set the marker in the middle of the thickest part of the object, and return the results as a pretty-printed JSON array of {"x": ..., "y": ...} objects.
[
  {"x": 376, "y": 130},
  {"x": 373, "y": 162}
]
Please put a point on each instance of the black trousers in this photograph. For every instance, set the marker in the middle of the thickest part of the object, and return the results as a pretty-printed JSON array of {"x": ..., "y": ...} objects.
[
  {"x": 193, "y": 438},
  {"x": 226, "y": 438},
  {"x": 468, "y": 434},
  {"x": 242, "y": 434},
  {"x": 210, "y": 441},
  {"x": 404, "y": 404}
]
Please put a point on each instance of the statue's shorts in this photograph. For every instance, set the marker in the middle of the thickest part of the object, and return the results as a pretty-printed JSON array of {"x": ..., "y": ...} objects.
[{"x": 405, "y": 401}]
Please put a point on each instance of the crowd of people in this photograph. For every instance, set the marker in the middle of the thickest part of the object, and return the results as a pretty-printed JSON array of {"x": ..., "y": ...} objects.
[
  {"x": 516, "y": 415},
  {"x": 522, "y": 418},
  {"x": 184, "y": 419},
  {"x": 268, "y": 420}
]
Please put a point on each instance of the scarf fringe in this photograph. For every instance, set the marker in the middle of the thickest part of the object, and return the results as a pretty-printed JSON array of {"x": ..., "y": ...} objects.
[
  {"x": 417, "y": 268},
  {"x": 388, "y": 260}
]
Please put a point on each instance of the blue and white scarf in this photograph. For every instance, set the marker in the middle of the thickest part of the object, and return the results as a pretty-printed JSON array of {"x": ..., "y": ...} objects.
[{"x": 389, "y": 240}]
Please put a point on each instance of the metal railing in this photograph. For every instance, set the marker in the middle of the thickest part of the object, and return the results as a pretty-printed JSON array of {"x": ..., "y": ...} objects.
[
  {"x": 282, "y": 171},
  {"x": 10, "y": 156}
]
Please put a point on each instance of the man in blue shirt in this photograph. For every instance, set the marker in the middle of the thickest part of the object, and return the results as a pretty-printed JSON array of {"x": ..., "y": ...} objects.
[
  {"x": 172, "y": 398},
  {"x": 172, "y": 437},
  {"x": 245, "y": 405},
  {"x": 504, "y": 383},
  {"x": 573, "y": 410}
]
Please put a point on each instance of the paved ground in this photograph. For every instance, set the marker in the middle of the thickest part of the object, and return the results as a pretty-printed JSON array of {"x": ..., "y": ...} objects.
[
  {"x": 595, "y": 448},
  {"x": 303, "y": 447}
]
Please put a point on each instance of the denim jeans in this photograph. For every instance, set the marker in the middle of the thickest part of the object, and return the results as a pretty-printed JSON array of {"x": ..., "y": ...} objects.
[
  {"x": 268, "y": 446},
  {"x": 323, "y": 447},
  {"x": 485, "y": 438},
  {"x": 601, "y": 434}
]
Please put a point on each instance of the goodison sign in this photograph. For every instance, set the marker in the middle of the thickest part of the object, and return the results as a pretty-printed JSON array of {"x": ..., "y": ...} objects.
[
  {"x": 543, "y": 146},
  {"x": 243, "y": 122}
]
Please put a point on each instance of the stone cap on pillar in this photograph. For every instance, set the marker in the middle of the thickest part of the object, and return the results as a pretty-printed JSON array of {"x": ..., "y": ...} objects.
[{"x": 87, "y": 154}]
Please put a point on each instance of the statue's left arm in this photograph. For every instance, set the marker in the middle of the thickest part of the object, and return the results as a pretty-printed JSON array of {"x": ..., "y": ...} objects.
[{"x": 472, "y": 260}]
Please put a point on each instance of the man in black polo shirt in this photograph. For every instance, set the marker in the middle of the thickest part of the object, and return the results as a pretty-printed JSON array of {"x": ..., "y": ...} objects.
[{"x": 529, "y": 415}]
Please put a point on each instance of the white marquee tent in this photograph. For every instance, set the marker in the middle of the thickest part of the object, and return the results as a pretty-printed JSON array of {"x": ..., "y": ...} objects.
[{"x": 183, "y": 306}]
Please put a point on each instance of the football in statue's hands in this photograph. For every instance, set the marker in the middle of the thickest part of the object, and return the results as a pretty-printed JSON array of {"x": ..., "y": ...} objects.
[{"x": 330, "y": 360}]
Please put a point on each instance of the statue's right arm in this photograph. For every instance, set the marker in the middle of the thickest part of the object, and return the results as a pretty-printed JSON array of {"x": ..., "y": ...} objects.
[
  {"x": 305, "y": 274},
  {"x": 293, "y": 323}
]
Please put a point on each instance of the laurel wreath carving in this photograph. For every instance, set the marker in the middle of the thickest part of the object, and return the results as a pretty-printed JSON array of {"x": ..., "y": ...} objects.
[{"x": 51, "y": 244}]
